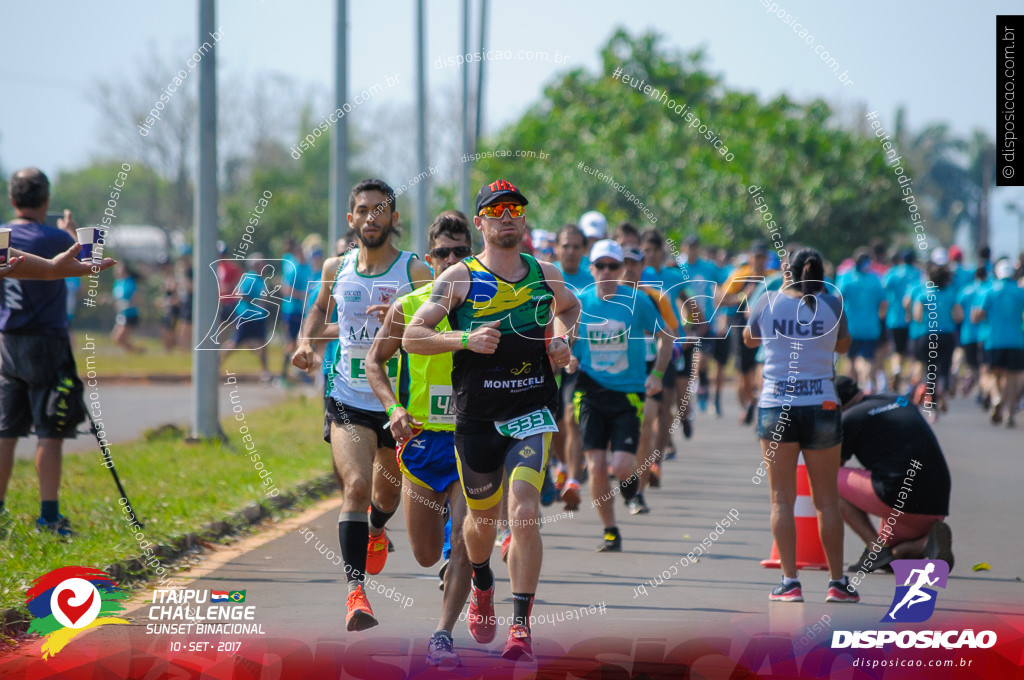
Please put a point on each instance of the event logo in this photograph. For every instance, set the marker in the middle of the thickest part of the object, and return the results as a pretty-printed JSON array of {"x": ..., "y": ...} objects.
[
  {"x": 70, "y": 600},
  {"x": 913, "y": 601}
]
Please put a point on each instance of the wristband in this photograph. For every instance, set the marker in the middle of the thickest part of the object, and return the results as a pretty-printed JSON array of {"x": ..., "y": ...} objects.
[
  {"x": 564, "y": 338},
  {"x": 658, "y": 374},
  {"x": 391, "y": 409},
  {"x": 465, "y": 339}
]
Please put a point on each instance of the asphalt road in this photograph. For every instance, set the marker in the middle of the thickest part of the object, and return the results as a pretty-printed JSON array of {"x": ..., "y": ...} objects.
[{"x": 720, "y": 600}]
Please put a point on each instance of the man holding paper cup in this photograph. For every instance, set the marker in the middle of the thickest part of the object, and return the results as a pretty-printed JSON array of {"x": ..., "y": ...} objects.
[{"x": 39, "y": 386}]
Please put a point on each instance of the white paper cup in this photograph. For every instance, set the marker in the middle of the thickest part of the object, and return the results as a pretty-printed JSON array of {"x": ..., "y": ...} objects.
[
  {"x": 5, "y": 243},
  {"x": 86, "y": 236}
]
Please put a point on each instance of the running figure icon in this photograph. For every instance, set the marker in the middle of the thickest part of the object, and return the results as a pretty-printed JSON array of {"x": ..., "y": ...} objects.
[{"x": 916, "y": 595}]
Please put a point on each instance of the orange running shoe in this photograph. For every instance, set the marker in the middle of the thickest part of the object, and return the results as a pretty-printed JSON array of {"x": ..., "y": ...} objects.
[
  {"x": 654, "y": 479},
  {"x": 360, "y": 616},
  {"x": 560, "y": 479},
  {"x": 571, "y": 495},
  {"x": 377, "y": 552}
]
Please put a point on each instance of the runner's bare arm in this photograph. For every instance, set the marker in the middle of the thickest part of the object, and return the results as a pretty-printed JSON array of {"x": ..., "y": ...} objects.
[
  {"x": 566, "y": 315},
  {"x": 385, "y": 345},
  {"x": 421, "y": 335},
  {"x": 419, "y": 273},
  {"x": 664, "y": 340},
  {"x": 314, "y": 325}
]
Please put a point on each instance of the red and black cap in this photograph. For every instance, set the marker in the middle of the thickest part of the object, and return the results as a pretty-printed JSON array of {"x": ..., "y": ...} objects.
[{"x": 496, "y": 191}]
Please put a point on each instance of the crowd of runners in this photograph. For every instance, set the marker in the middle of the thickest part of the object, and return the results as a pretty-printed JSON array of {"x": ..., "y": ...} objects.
[
  {"x": 516, "y": 369},
  {"x": 482, "y": 382}
]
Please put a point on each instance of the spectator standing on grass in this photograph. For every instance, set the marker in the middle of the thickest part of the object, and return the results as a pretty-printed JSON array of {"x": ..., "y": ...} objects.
[
  {"x": 184, "y": 273},
  {"x": 169, "y": 303},
  {"x": 126, "y": 289},
  {"x": 38, "y": 376},
  {"x": 801, "y": 326}
]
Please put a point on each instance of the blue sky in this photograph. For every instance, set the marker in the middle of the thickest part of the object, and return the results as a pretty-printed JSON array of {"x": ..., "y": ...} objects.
[{"x": 935, "y": 58}]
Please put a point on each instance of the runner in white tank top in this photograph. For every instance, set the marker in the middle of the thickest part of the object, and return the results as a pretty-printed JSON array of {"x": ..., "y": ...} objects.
[{"x": 363, "y": 285}]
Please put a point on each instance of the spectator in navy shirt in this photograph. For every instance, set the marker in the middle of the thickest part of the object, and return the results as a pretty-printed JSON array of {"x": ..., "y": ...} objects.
[{"x": 39, "y": 384}]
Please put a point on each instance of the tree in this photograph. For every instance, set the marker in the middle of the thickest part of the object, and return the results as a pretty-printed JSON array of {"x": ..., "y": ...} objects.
[{"x": 824, "y": 185}]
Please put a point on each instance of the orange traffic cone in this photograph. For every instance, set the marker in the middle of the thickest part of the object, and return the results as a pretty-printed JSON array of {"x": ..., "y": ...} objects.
[{"x": 809, "y": 552}]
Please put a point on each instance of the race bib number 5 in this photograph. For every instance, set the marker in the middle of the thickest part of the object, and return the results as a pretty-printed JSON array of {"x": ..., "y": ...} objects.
[
  {"x": 530, "y": 424},
  {"x": 357, "y": 375}
]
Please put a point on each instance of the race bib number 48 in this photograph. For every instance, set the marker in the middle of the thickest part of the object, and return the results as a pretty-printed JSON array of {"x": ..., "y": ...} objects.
[
  {"x": 530, "y": 424},
  {"x": 442, "y": 405}
]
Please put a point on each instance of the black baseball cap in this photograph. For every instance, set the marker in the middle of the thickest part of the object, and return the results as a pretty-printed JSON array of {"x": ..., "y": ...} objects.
[
  {"x": 496, "y": 191},
  {"x": 759, "y": 248},
  {"x": 691, "y": 240}
]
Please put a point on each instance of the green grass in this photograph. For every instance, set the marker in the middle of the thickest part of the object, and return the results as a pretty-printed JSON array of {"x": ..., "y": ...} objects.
[
  {"x": 111, "y": 360},
  {"x": 175, "y": 488}
]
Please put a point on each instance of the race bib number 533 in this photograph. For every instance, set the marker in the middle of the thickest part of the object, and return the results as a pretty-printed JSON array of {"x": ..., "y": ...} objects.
[{"x": 530, "y": 424}]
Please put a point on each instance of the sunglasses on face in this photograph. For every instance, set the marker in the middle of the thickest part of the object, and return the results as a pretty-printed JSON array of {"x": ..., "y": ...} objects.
[
  {"x": 460, "y": 252},
  {"x": 610, "y": 266},
  {"x": 496, "y": 210}
]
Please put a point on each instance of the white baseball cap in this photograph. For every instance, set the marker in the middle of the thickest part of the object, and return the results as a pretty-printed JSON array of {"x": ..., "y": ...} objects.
[
  {"x": 1003, "y": 269},
  {"x": 593, "y": 224},
  {"x": 940, "y": 256},
  {"x": 606, "y": 248}
]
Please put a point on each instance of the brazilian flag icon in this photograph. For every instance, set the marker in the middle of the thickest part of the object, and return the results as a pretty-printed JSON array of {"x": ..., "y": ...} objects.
[{"x": 237, "y": 596}]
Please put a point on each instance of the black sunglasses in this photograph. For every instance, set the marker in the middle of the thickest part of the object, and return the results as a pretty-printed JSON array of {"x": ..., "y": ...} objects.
[
  {"x": 460, "y": 251},
  {"x": 611, "y": 266}
]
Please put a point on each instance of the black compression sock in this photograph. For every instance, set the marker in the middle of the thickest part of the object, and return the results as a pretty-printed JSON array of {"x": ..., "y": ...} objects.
[
  {"x": 522, "y": 606},
  {"x": 50, "y": 510},
  {"x": 353, "y": 536},
  {"x": 378, "y": 518},
  {"x": 483, "y": 577},
  {"x": 630, "y": 487}
]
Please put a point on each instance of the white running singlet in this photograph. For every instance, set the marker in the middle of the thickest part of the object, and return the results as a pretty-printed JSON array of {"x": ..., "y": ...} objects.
[{"x": 353, "y": 293}]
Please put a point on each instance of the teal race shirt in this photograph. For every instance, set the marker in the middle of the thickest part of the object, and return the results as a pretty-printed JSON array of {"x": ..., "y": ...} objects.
[
  {"x": 1003, "y": 303},
  {"x": 611, "y": 344}
]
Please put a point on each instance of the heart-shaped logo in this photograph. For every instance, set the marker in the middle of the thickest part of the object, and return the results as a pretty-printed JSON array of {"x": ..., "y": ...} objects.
[
  {"x": 73, "y": 612},
  {"x": 75, "y": 603}
]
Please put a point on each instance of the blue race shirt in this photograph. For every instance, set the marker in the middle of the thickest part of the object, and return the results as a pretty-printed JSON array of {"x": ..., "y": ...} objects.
[
  {"x": 35, "y": 307},
  {"x": 937, "y": 315},
  {"x": 962, "y": 277},
  {"x": 863, "y": 296},
  {"x": 968, "y": 299},
  {"x": 702, "y": 279},
  {"x": 295, "y": 276},
  {"x": 611, "y": 344},
  {"x": 579, "y": 281},
  {"x": 897, "y": 284},
  {"x": 124, "y": 289},
  {"x": 1003, "y": 303},
  {"x": 250, "y": 286}
]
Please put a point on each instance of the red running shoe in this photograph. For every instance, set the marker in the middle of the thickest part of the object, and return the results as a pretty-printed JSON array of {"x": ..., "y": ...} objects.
[{"x": 480, "y": 617}]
